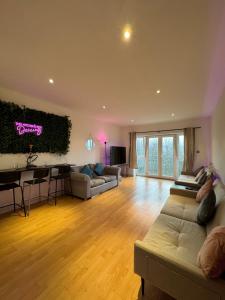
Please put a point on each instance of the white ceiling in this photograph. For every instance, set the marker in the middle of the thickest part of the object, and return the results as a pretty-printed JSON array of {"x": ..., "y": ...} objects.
[{"x": 78, "y": 44}]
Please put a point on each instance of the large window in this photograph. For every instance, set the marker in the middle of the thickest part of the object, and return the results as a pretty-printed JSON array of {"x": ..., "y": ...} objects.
[
  {"x": 153, "y": 156},
  {"x": 168, "y": 156},
  {"x": 140, "y": 148},
  {"x": 180, "y": 153},
  {"x": 160, "y": 155}
]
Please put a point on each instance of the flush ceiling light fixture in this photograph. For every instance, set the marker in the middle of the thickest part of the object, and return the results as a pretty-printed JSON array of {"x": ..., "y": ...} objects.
[
  {"x": 158, "y": 92},
  {"x": 51, "y": 81},
  {"x": 103, "y": 107},
  {"x": 127, "y": 33}
]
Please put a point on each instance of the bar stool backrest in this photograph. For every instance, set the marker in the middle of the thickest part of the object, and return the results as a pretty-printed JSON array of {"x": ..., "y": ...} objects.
[
  {"x": 40, "y": 173},
  {"x": 10, "y": 177}
]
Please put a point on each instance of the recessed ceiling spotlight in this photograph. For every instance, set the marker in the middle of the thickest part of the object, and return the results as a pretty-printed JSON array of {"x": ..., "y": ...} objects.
[
  {"x": 103, "y": 107},
  {"x": 173, "y": 115},
  {"x": 51, "y": 81},
  {"x": 158, "y": 92},
  {"x": 127, "y": 32},
  {"x": 127, "y": 35}
]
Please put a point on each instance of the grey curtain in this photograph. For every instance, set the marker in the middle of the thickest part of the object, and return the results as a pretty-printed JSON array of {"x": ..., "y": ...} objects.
[
  {"x": 133, "y": 153},
  {"x": 189, "y": 149}
]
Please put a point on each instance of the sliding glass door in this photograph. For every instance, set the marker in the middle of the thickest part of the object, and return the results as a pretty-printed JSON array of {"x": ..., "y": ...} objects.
[
  {"x": 160, "y": 155},
  {"x": 140, "y": 148},
  {"x": 153, "y": 156},
  {"x": 167, "y": 155}
]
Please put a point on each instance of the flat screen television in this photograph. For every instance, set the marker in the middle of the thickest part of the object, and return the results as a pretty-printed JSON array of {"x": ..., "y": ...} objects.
[{"x": 117, "y": 155}]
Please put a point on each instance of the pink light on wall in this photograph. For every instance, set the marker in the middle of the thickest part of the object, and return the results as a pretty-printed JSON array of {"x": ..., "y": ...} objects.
[
  {"x": 102, "y": 138},
  {"x": 23, "y": 128}
]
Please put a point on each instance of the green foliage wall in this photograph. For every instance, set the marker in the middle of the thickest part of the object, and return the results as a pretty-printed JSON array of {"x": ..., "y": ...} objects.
[{"x": 55, "y": 137}]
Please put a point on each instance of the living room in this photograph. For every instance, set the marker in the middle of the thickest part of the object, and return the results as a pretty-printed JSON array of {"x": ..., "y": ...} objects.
[{"x": 112, "y": 151}]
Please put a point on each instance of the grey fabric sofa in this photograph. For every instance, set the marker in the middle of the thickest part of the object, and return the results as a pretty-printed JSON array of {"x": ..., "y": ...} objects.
[
  {"x": 85, "y": 187},
  {"x": 167, "y": 256}
]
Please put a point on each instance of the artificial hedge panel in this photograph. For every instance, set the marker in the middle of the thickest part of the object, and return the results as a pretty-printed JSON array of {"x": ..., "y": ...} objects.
[{"x": 55, "y": 137}]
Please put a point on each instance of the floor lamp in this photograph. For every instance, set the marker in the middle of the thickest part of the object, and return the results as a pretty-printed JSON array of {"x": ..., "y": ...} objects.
[{"x": 105, "y": 153}]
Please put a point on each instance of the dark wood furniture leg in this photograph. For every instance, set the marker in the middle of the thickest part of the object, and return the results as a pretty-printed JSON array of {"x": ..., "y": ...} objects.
[{"x": 142, "y": 286}]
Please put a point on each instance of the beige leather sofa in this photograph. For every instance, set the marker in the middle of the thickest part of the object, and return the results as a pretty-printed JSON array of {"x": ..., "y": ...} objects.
[
  {"x": 187, "y": 180},
  {"x": 167, "y": 257}
]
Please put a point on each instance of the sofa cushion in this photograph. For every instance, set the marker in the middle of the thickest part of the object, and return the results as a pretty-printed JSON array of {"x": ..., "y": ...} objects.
[
  {"x": 199, "y": 174},
  {"x": 211, "y": 257},
  {"x": 96, "y": 182},
  {"x": 219, "y": 217},
  {"x": 196, "y": 172},
  {"x": 206, "y": 209},
  {"x": 99, "y": 169},
  {"x": 181, "y": 207},
  {"x": 107, "y": 178},
  {"x": 202, "y": 179},
  {"x": 204, "y": 190},
  {"x": 111, "y": 177},
  {"x": 87, "y": 170},
  {"x": 179, "y": 238}
]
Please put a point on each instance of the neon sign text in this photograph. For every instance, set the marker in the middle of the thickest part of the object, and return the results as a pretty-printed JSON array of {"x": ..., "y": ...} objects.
[{"x": 23, "y": 128}]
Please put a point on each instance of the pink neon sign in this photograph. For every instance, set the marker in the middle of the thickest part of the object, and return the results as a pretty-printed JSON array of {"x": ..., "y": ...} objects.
[{"x": 23, "y": 128}]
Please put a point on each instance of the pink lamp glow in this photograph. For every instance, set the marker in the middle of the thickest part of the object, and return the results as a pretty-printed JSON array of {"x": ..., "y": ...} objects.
[{"x": 102, "y": 138}]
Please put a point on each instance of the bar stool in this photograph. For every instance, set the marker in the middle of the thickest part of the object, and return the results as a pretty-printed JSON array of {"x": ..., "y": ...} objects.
[
  {"x": 39, "y": 176},
  {"x": 10, "y": 180},
  {"x": 63, "y": 175}
]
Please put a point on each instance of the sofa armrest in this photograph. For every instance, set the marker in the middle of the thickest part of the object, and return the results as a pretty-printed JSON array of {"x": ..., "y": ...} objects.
[
  {"x": 146, "y": 257},
  {"x": 80, "y": 177},
  {"x": 81, "y": 185},
  {"x": 112, "y": 171},
  {"x": 196, "y": 186}
]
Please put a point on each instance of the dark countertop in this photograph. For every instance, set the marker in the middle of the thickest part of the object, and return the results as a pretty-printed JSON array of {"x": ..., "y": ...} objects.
[{"x": 24, "y": 169}]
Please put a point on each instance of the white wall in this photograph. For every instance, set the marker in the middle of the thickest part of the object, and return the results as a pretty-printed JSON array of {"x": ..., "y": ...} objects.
[
  {"x": 82, "y": 126},
  {"x": 203, "y": 135},
  {"x": 218, "y": 138}
]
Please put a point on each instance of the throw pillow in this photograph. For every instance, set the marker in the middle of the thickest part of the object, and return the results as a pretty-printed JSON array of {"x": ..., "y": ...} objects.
[
  {"x": 206, "y": 208},
  {"x": 211, "y": 257},
  {"x": 204, "y": 190},
  {"x": 199, "y": 174},
  {"x": 87, "y": 170},
  {"x": 99, "y": 169},
  {"x": 202, "y": 179},
  {"x": 196, "y": 172}
]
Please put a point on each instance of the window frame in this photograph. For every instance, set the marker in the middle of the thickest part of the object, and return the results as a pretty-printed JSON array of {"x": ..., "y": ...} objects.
[{"x": 160, "y": 136}]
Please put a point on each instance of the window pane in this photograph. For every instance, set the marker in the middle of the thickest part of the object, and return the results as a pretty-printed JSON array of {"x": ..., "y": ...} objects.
[
  {"x": 167, "y": 156},
  {"x": 153, "y": 156},
  {"x": 140, "y": 148},
  {"x": 180, "y": 153}
]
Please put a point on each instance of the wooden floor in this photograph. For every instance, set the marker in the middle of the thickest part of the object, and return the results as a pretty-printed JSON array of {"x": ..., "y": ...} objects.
[{"x": 79, "y": 249}]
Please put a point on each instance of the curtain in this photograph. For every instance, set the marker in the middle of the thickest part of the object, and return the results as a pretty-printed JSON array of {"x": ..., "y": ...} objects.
[
  {"x": 189, "y": 150},
  {"x": 133, "y": 154}
]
